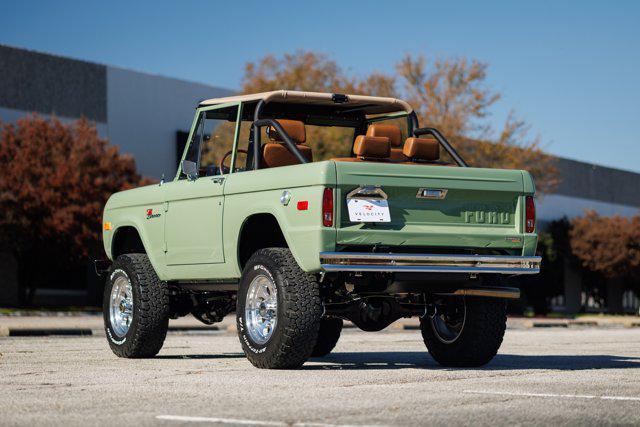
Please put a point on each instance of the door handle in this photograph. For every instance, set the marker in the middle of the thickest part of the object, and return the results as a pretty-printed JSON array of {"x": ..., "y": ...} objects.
[{"x": 218, "y": 179}]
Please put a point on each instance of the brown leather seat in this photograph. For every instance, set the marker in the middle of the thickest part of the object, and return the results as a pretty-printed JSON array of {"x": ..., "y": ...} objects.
[
  {"x": 372, "y": 147},
  {"x": 421, "y": 149},
  {"x": 368, "y": 148},
  {"x": 395, "y": 139},
  {"x": 275, "y": 154}
]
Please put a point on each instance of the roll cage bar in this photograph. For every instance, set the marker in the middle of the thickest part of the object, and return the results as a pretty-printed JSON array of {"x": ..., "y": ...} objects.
[{"x": 414, "y": 130}]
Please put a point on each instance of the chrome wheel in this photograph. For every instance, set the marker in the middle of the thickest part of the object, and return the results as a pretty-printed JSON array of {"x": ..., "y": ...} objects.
[
  {"x": 449, "y": 320},
  {"x": 121, "y": 305},
  {"x": 261, "y": 309}
]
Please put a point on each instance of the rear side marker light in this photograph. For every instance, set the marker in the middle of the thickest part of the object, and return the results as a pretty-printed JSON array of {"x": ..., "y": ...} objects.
[
  {"x": 303, "y": 205},
  {"x": 530, "y": 215},
  {"x": 327, "y": 207}
]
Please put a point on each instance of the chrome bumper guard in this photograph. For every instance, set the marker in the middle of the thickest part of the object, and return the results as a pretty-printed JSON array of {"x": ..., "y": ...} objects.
[{"x": 429, "y": 263}]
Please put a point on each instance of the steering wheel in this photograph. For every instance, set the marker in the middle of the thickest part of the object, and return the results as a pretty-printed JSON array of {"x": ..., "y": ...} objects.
[{"x": 226, "y": 169}]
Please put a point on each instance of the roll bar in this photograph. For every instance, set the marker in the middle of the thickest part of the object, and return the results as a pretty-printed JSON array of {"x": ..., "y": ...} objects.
[
  {"x": 257, "y": 125},
  {"x": 418, "y": 131},
  {"x": 415, "y": 130}
]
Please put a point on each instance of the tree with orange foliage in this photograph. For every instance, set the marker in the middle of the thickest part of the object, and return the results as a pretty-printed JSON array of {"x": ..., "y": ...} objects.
[
  {"x": 314, "y": 72},
  {"x": 608, "y": 245},
  {"x": 54, "y": 182},
  {"x": 447, "y": 94},
  {"x": 451, "y": 96}
]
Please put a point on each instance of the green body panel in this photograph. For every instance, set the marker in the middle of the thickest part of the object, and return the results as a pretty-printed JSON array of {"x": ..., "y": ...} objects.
[
  {"x": 482, "y": 207},
  {"x": 128, "y": 209},
  {"x": 197, "y": 232},
  {"x": 259, "y": 191},
  {"x": 201, "y": 225},
  {"x": 193, "y": 221},
  {"x": 191, "y": 229}
]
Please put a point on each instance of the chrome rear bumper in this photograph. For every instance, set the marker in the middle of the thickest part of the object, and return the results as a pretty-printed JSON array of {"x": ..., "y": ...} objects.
[{"x": 429, "y": 263}]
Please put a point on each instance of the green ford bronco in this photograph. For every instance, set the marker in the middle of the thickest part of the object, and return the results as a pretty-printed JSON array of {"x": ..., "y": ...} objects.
[{"x": 260, "y": 219}]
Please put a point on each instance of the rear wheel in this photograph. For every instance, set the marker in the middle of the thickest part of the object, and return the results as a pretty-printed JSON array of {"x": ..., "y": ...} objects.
[
  {"x": 328, "y": 336},
  {"x": 279, "y": 310},
  {"x": 135, "y": 307},
  {"x": 465, "y": 331}
]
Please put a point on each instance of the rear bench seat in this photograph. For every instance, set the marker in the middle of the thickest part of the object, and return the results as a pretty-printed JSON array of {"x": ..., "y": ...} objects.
[
  {"x": 420, "y": 150},
  {"x": 395, "y": 139},
  {"x": 379, "y": 149},
  {"x": 369, "y": 148}
]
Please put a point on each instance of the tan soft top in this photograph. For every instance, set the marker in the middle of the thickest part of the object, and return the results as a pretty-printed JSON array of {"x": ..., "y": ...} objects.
[{"x": 369, "y": 104}]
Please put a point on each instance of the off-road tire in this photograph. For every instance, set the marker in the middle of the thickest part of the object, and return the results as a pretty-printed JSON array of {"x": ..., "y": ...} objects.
[
  {"x": 150, "y": 320},
  {"x": 479, "y": 340},
  {"x": 299, "y": 311},
  {"x": 328, "y": 336}
]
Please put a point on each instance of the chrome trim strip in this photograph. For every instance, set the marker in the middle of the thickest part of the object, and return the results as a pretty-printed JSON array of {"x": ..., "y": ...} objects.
[
  {"x": 367, "y": 192},
  {"x": 429, "y": 263},
  {"x": 423, "y": 193},
  {"x": 427, "y": 269}
]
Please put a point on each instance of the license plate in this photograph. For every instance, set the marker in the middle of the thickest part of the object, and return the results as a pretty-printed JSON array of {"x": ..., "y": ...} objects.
[{"x": 368, "y": 210}]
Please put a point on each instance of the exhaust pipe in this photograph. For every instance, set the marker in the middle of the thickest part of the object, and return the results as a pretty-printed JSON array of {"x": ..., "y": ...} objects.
[{"x": 506, "y": 293}]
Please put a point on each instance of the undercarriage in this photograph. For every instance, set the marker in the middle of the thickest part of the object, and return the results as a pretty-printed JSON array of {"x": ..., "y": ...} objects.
[{"x": 371, "y": 301}]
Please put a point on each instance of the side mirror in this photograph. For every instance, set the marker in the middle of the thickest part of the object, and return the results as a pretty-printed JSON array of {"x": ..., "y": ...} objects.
[{"x": 190, "y": 169}]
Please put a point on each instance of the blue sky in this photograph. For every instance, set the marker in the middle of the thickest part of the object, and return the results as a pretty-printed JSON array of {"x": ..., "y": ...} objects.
[{"x": 569, "y": 68}]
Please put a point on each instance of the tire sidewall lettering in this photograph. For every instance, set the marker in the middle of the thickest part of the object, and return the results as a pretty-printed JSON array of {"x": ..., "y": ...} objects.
[{"x": 108, "y": 328}]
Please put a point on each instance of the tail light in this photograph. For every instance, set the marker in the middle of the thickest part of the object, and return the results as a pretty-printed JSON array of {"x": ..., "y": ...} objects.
[
  {"x": 530, "y": 215},
  {"x": 327, "y": 207}
]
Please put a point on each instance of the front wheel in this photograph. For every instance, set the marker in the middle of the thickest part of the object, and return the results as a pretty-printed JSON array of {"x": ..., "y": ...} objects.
[
  {"x": 135, "y": 307},
  {"x": 278, "y": 312},
  {"x": 465, "y": 331}
]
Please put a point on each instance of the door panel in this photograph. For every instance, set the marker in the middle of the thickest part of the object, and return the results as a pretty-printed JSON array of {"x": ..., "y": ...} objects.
[{"x": 193, "y": 228}]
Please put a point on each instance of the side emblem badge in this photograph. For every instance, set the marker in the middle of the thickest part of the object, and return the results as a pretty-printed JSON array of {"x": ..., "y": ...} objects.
[{"x": 150, "y": 214}]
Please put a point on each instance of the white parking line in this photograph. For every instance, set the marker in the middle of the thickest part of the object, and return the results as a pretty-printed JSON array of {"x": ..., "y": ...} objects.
[
  {"x": 563, "y": 396},
  {"x": 219, "y": 420},
  {"x": 215, "y": 420}
]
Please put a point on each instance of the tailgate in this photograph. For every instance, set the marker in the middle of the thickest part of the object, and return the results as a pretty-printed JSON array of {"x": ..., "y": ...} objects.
[{"x": 463, "y": 207}]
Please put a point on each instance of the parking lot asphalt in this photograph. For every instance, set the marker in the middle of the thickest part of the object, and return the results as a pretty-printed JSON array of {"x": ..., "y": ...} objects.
[{"x": 541, "y": 376}]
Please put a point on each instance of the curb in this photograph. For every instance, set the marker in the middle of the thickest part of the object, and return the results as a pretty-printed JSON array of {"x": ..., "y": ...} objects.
[
  {"x": 46, "y": 332},
  {"x": 33, "y": 332}
]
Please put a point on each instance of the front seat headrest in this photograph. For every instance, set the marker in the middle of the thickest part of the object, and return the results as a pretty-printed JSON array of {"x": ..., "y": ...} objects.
[
  {"x": 390, "y": 131},
  {"x": 372, "y": 147},
  {"x": 421, "y": 149},
  {"x": 294, "y": 128},
  {"x": 276, "y": 155}
]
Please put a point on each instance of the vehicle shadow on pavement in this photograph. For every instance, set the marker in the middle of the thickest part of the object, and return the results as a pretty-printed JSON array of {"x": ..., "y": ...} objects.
[
  {"x": 416, "y": 359},
  {"x": 201, "y": 356},
  {"x": 563, "y": 362}
]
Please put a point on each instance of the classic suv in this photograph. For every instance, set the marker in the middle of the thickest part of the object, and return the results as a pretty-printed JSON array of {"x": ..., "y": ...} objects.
[{"x": 260, "y": 219}]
